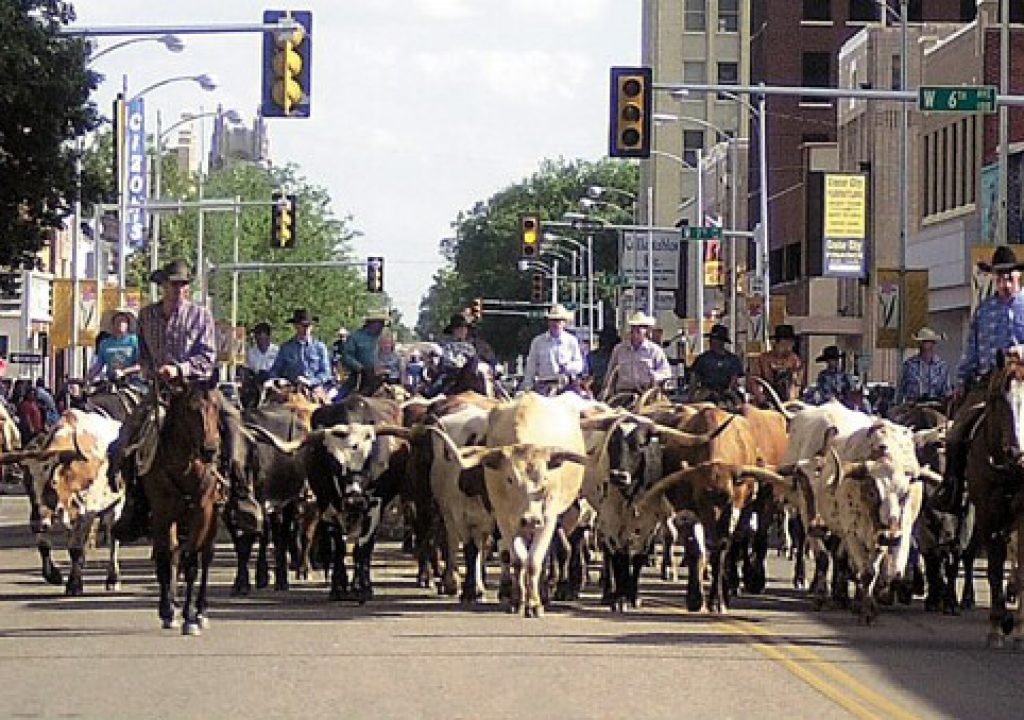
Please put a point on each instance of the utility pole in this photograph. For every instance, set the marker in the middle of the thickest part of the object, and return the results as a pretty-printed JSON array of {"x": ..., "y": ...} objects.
[{"x": 1002, "y": 214}]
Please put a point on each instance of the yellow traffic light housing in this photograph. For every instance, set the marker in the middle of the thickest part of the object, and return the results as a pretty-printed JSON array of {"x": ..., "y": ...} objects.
[
  {"x": 632, "y": 95},
  {"x": 375, "y": 274},
  {"x": 537, "y": 289},
  {"x": 529, "y": 236},
  {"x": 287, "y": 59},
  {"x": 282, "y": 221}
]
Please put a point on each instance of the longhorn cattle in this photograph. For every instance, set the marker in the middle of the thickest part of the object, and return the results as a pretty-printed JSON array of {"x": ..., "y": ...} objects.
[
  {"x": 65, "y": 479},
  {"x": 869, "y": 496}
]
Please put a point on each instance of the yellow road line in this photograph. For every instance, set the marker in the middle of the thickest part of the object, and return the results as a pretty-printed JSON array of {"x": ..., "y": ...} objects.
[
  {"x": 845, "y": 690},
  {"x": 887, "y": 706}
]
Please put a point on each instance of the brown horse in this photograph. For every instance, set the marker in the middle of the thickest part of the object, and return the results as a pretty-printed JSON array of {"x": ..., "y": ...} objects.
[
  {"x": 183, "y": 490},
  {"x": 995, "y": 484}
]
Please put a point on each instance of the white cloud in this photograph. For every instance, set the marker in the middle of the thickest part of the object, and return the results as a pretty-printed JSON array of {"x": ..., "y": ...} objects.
[{"x": 444, "y": 9}]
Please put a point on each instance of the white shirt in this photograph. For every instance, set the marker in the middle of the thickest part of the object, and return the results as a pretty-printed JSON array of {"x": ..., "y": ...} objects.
[
  {"x": 550, "y": 355},
  {"x": 259, "y": 361}
]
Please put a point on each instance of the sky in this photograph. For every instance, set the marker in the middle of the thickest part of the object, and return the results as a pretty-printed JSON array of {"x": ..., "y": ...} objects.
[{"x": 420, "y": 108}]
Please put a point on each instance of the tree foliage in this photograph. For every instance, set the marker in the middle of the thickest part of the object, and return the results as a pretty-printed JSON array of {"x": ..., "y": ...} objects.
[
  {"x": 485, "y": 250},
  {"x": 45, "y": 85}
]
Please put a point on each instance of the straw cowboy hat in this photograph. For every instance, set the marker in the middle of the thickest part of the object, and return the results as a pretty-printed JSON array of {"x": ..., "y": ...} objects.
[
  {"x": 641, "y": 319},
  {"x": 926, "y": 334},
  {"x": 559, "y": 312},
  {"x": 174, "y": 271},
  {"x": 1004, "y": 260},
  {"x": 376, "y": 315}
]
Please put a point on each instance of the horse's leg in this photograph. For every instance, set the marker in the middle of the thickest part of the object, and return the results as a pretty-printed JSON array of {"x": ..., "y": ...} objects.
[
  {"x": 996, "y": 559},
  {"x": 243, "y": 543},
  {"x": 113, "y": 582},
  {"x": 262, "y": 564},
  {"x": 307, "y": 534},
  {"x": 279, "y": 527},
  {"x": 190, "y": 570},
  {"x": 51, "y": 573},
  {"x": 207, "y": 542},
  {"x": 470, "y": 586},
  {"x": 577, "y": 564},
  {"x": 339, "y": 574},
  {"x": 165, "y": 569}
]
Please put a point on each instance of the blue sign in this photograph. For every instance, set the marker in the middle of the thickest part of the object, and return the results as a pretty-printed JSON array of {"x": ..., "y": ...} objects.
[{"x": 135, "y": 172}]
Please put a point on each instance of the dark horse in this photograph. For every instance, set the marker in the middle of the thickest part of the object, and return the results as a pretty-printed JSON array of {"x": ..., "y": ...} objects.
[
  {"x": 995, "y": 484},
  {"x": 183, "y": 490}
]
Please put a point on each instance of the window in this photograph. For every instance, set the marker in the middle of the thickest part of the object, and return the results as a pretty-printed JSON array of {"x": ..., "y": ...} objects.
[
  {"x": 694, "y": 15},
  {"x": 816, "y": 66},
  {"x": 728, "y": 16},
  {"x": 728, "y": 74},
  {"x": 817, "y": 10},
  {"x": 863, "y": 10},
  {"x": 897, "y": 72},
  {"x": 693, "y": 140},
  {"x": 695, "y": 71}
]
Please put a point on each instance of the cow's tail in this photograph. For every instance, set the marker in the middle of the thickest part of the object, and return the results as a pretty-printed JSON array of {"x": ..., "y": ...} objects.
[{"x": 774, "y": 397}]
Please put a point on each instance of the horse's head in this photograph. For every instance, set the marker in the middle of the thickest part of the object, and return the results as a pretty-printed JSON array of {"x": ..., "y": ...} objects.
[
  {"x": 1005, "y": 406},
  {"x": 193, "y": 420}
]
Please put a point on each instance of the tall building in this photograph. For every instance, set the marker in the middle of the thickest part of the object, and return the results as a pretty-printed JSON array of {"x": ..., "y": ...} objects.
[{"x": 230, "y": 144}]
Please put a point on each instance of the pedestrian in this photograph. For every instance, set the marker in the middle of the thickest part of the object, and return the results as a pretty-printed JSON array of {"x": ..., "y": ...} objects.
[
  {"x": 716, "y": 372},
  {"x": 925, "y": 376},
  {"x": 637, "y": 363},
  {"x": 833, "y": 383}
]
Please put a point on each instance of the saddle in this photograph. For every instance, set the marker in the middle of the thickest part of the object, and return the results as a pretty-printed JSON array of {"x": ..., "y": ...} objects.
[{"x": 143, "y": 449}]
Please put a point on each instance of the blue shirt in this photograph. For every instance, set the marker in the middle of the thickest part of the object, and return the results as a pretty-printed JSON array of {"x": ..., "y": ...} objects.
[
  {"x": 923, "y": 380},
  {"x": 832, "y": 385},
  {"x": 118, "y": 353},
  {"x": 303, "y": 358},
  {"x": 996, "y": 325}
]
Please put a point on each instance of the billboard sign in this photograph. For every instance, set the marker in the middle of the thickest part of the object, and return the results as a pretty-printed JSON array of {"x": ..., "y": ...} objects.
[
  {"x": 845, "y": 219},
  {"x": 135, "y": 172},
  {"x": 633, "y": 259}
]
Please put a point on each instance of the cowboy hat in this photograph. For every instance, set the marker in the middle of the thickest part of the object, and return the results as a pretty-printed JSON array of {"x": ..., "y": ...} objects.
[
  {"x": 784, "y": 332},
  {"x": 719, "y": 332},
  {"x": 641, "y": 319},
  {"x": 174, "y": 271},
  {"x": 829, "y": 353},
  {"x": 926, "y": 334},
  {"x": 559, "y": 312},
  {"x": 301, "y": 316},
  {"x": 1004, "y": 260},
  {"x": 376, "y": 315}
]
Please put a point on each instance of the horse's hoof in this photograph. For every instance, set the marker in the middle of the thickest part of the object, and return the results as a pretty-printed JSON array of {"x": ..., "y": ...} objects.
[
  {"x": 74, "y": 590},
  {"x": 53, "y": 576},
  {"x": 694, "y": 602},
  {"x": 262, "y": 582},
  {"x": 281, "y": 586},
  {"x": 204, "y": 622},
  {"x": 168, "y": 623},
  {"x": 240, "y": 590},
  {"x": 191, "y": 629},
  {"x": 967, "y": 604},
  {"x": 620, "y": 605},
  {"x": 1006, "y": 625},
  {"x": 533, "y": 611},
  {"x": 636, "y": 603},
  {"x": 995, "y": 641}
]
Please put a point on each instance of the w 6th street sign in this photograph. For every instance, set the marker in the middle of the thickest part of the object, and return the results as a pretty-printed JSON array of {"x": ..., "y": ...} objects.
[
  {"x": 697, "y": 232},
  {"x": 937, "y": 98}
]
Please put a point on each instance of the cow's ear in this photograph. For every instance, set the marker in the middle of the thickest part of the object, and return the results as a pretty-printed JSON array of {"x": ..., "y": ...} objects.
[
  {"x": 558, "y": 457},
  {"x": 471, "y": 457}
]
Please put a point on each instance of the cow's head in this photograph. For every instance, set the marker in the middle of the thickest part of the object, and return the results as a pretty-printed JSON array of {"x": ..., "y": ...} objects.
[{"x": 522, "y": 472}]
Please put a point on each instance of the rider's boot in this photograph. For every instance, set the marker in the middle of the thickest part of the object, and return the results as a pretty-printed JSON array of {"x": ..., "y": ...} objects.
[{"x": 244, "y": 513}]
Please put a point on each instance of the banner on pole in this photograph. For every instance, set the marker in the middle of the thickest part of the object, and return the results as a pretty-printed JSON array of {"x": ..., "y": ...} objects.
[
  {"x": 845, "y": 205},
  {"x": 892, "y": 296},
  {"x": 135, "y": 159}
]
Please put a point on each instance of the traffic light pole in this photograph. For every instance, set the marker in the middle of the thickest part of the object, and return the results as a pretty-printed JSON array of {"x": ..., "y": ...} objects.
[{"x": 210, "y": 29}]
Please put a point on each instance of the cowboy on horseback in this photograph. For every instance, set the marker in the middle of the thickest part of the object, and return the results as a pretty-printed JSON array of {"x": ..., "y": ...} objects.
[
  {"x": 637, "y": 363},
  {"x": 925, "y": 376},
  {"x": 304, "y": 360},
  {"x": 176, "y": 346},
  {"x": 555, "y": 355},
  {"x": 997, "y": 325},
  {"x": 457, "y": 351},
  {"x": 359, "y": 355},
  {"x": 716, "y": 372}
]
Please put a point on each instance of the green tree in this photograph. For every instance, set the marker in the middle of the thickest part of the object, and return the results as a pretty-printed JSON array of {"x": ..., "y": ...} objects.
[
  {"x": 485, "y": 250},
  {"x": 44, "y": 109}
]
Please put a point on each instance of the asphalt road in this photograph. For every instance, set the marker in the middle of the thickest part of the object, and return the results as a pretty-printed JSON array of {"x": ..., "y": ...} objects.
[{"x": 410, "y": 654}]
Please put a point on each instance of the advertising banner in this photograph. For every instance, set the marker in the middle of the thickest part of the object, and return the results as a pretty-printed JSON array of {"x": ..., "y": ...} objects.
[
  {"x": 135, "y": 169},
  {"x": 913, "y": 293},
  {"x": 714, "y": 268},
  {"x": 845, "y": 209},
  {"x": 633, "y": 259}
]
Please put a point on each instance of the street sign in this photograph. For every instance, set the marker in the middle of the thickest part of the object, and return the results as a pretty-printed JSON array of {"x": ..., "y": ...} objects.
[
  {"x": 702, "y": 233},
  {"x": 939, "y": 98},
  {"x": 26, "y": 358}
]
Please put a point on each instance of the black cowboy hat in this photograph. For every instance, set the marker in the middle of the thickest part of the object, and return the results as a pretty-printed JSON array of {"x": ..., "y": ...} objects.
[
  {"x": 301, "y": 316},
  {"x": 174, "y": 271},
  {"x": 1003, "y": 260},
  {"x": 784, "y": 332},
  {"x": 829, "y": 353},
  {"x": 456, "y": 321},
  {"x": 261, "y": 327},
  {"x": 719, "y": 332}
]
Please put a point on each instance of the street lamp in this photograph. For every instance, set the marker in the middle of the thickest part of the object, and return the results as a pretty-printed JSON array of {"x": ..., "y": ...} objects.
[
  {"x": 595, "y": 192},
  {"x": 171, "y": 42},
  {"x": 206, "y": 82}
]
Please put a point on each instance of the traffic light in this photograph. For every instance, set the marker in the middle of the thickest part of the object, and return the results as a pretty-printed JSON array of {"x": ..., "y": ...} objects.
[
  {"x": 529, "y": 235},
  {"x": 476, "y": 309},
  {"x": 375, "y": 274},
  {"x": 287, "y": 60},
  {"x": 537, "y": 290},
  {"x": 631, "y": 101},
  {"x": 282, "y": 221}
]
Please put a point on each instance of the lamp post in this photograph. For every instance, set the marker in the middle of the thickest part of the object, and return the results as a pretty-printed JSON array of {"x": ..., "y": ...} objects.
[
  {"x": 169, "y": 41},
  {"x": 231, "y": 116}
]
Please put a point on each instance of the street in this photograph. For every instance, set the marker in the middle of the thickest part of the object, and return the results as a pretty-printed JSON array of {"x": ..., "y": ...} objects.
[{"x": 411, "y": 654}]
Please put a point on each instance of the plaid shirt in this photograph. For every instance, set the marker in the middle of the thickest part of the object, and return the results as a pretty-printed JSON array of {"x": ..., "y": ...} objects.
[
  {"x": 832, "y": 385},
  {"x": 923, "y": 380},
  {"x": 996, "y": 325},
  {"x": 184, "y": 339},
  {"x": 639, "y": 368}
]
